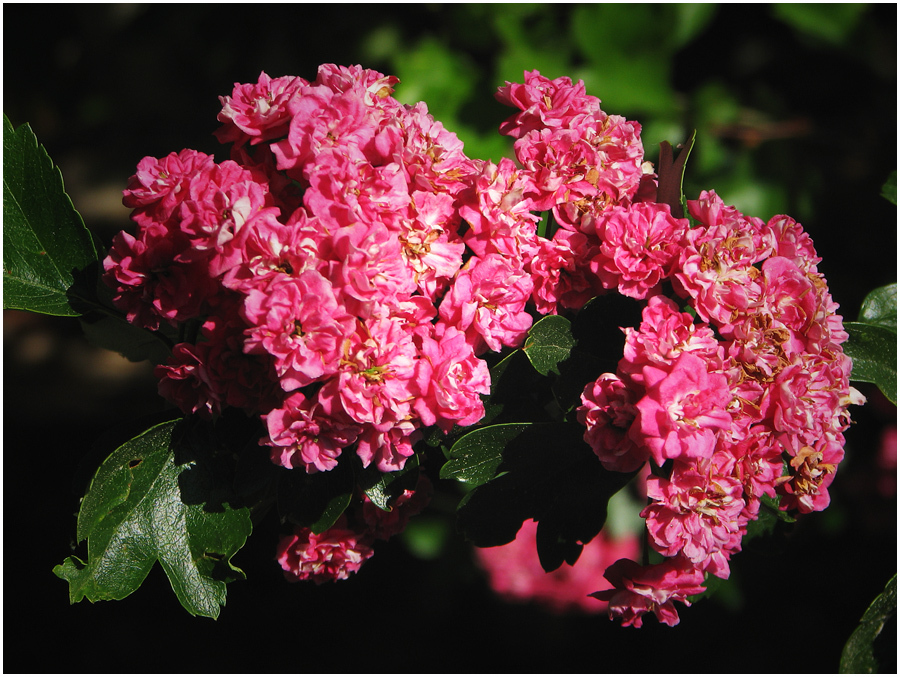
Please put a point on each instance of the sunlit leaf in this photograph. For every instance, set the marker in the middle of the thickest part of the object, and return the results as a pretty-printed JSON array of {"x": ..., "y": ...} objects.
[{"x": 44, "y": 239}]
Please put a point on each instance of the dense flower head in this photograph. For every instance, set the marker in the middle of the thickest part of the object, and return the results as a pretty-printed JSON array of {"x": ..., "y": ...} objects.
[
  {"x": 343, "y": 274},
  {"x": 331, "y": 555}
]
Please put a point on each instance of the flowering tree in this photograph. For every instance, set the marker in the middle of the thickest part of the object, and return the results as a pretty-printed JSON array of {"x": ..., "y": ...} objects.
[{"x": 350, "y": 307}]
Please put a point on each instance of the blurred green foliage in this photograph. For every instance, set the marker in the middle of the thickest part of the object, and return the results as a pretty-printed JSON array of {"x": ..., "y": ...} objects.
[{"x": 627, "y": 55}]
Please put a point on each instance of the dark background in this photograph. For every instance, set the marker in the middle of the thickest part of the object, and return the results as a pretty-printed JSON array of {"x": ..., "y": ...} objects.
[{"x": 807, "y": 111}]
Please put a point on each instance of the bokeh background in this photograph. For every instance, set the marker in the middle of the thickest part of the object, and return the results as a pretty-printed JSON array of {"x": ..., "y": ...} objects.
[{"x": 796, "y": 112}]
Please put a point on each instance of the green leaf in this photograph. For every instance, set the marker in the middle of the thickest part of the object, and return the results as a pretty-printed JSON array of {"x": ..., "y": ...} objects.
[
  {"x": 44, "y": 238},
  {"x": 870, "y": 648},
  {"x": 476, "y": 455},
  {"x": 832, "y": 22},
  {"x": 872, "y": 342},
  {"x": 873, "y": 350},
  {"x": 157, "y": 499},
  {"x": 549, "y": 342},
  {"x": 383, "y": 487},
  {"x": 889, "y": 189},
  {"x": 880, "y": 307}
]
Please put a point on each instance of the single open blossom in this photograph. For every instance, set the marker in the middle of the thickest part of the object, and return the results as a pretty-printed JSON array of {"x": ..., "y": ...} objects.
[
  {"x": 450, "y": 381},
  {"x": 487, "y": 303},
  {"x": 811, "y": 472},
  {"x": 258, "y": 112},
  {"x": 330, "y": 556},
  {"x": 160, "y": 185},
  {"x": 299, "y": 322},
  {"x": 544, "y": 103},
  {"x": 664, "y": 334},
  {"x": 638, "y": 245},
  {"x": 682, "y": 410},
  {"x": 697, "y": 513},
  {"x": 560, "y": 272},
  {"x": 638, "y": 590},
  {"x": 607, "y": 411},
  {"x": 156, "y": 277},
  {"x": 301, "y": 435}
]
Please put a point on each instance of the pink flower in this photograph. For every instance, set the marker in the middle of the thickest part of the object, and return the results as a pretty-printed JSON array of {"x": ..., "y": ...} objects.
[
  {"x": 682, "y": 410},
  {"x": 387, "y": 445},
  {"x": 155, "y": 277},
  {"x": 487, "y": 303},
  {"x": 258, "y": 112},
  {"x": 302, "y": 436},
  {"x": 607, "y": 411},
  {"x": 375, "y": 384},
  {"x": 431, "y": 247},
  {"x": 185, "y": 381},
  {"x": 322, "y": 119},
  {"x": 432, "y": 156},
  {"x": 299, "y": 322},
  {"x": 515, "y": 573},
  {"x": 450, "y": 381},
  {"x": 344, "y": 190},
  {"x": 544, "y": 103},
  {"x": 642, "y": 589},
  {"x": 792, "y": 242},
  {"x": 638, "y": 245},
  {"x": 664, "y": 334},
  {"x": 215, "y": 373},
  {"x": 811, "y": 472},
  {"x": 162, "y": 184},
  {"x": 696, "y": 513},
  {"x": 330, "y": 556},
  {"x": 365, "y": 265},
  {"x": 716, "y": 265},
  {"x": 560, "y": 272},
  {"x": 499, "y": 212}
]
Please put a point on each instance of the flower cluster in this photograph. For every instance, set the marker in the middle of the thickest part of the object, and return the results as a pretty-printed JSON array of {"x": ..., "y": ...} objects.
[
  {"x": 742, "y": 398},
  {"x": 342, "y": 276},
  {"x": 323, "y": 267}
]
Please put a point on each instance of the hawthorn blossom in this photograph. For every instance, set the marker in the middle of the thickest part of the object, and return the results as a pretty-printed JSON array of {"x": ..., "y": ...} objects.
[
  {"x": 331, "y": 555},
  {"x": 811, "y": 471},
  {"x": 160, "y": 185},
  {"x": 258, "y": 112},
  {"x": 698, "y": 513},
  {"x": 375, "y": 381},
  {"x": 449, "y": 380},
  {"x": 300, "y": 323},
  {"x": 544, "y": 103},
  {"x": 607, "y": 412},
  {"x": 638, "y": 590},
  {"x": 682, "y": 410},
  {"x": 664, "y": 334},
  {"x": 487, "y": 303},
  {"x": 562, "y": 280},
  {"x": 638, "y": 245},
  {"x": 156, "y": 277},
  {"x": 301, "y": 435}
]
